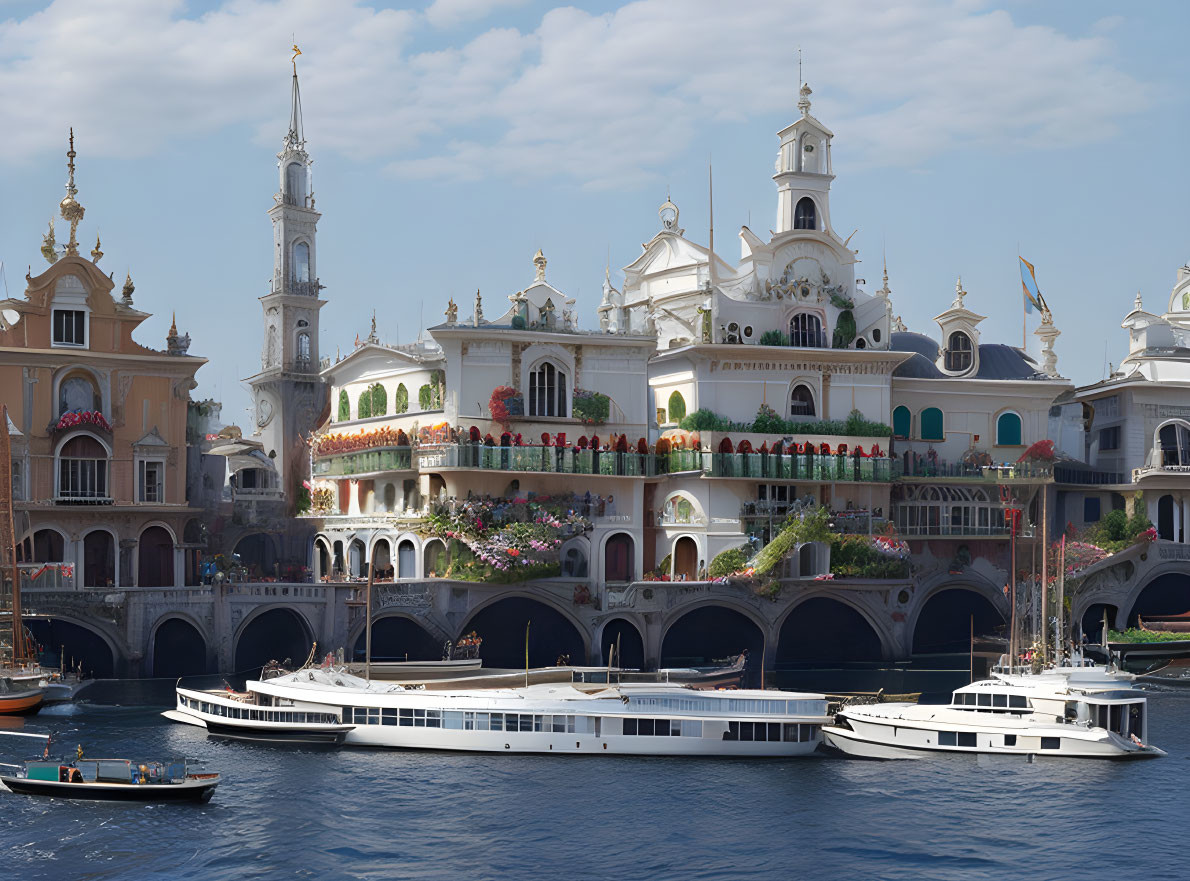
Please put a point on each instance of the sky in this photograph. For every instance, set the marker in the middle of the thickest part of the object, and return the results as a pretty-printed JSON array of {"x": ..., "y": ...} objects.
[{"x": 454, "y": 138}]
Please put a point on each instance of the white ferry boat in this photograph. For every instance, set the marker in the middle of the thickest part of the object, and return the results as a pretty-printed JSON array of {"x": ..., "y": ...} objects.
[
  {"x": 627, "y": 719},
  {"x": 1086, "y": 711}
]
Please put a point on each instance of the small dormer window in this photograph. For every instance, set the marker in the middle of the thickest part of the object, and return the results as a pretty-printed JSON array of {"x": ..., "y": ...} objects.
[
  {"x": 958, "y": 352},
  {"x": 805, "y": 215},
  {"x": 70, "y": 327}
]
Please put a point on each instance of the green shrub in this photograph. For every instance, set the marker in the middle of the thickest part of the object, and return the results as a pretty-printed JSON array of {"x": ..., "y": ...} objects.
[
  {"x": 425, "y": 397},
  {"x": 768, "y": 422},
  {"x": 363, "y": 409},
  {"x": 677, "y": 407},
  {"x": 591, "y": 407},
  {"x": 401, "y": 400},
  {"x": 845, "y": 330},
  {"x": 812, "y": 525},
  {"x": 774, "y": 338},
  {"x": 729, "y": 561},
  {"x": 704, "y": 420},
  {"x": 344, "y": 406},
  {"x": 379, "y": 400}
]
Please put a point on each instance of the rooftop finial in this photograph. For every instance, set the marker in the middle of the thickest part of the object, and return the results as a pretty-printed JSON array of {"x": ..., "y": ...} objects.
[
  {"x": 129, "y": 287},
  {"x": 72, "y": 211},
  {"x": 96, "y": 253},
  {"x": 295, "y": 138},
  {"x": 884, "y": 289},
  {"x": 959, "y": 293},
  {"x": 49, "y": 245},
  {"x": 539, "y": 262},
  {"x": 1137, "y": 305},
  {"x": 803, "y": 101}
]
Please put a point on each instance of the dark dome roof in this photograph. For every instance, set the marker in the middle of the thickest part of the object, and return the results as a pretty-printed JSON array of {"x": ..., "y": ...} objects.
[
  {"x": 918, "y": 367},
  {"x": 998, "y": 361},
  {"x": 906, "y": 341}
]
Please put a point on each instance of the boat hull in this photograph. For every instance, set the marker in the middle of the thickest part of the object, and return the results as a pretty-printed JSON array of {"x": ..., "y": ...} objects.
[
  {"x": 193, "y": 789},
  {"x": 277, "y": 735},
  {"x": 21, "y": 703}
]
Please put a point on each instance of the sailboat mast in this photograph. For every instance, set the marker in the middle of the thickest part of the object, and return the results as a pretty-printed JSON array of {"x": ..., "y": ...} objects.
[
  {"x": 8, "y": 566},
  {"x": 368, "y": 621}
]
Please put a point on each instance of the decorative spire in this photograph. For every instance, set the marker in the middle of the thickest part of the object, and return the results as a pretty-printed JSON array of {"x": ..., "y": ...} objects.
[
  {"x": 668, "y": 212},
  {"x": 173, "y": 327},
  {"x": 129, "y": 287},
  {"x": 884, "y": 291},
  {"x": 49, "y": 245},
  {"x": 803, "y": 101},
  {"x": 176, "y": 344},
  {"x": 959, "y": 293},
  {"x": 539, "y": 262},
  {"x": 1047, "y": 333},
  {"x": 478, "y": 317},
  {"x": 295, "y": 138},
  {"x": 452, "y": 312},
  {"x": 96, "y": 253},
  {"x": 1136, "y": 304},
  {"x": 72, "y": 211},
  {"x": 373, "y": 337}
]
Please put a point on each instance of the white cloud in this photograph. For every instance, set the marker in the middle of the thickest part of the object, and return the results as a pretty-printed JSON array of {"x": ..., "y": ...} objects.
[
  {"x": 601, "y": 99},
  {"x": 449, "y": 13}
]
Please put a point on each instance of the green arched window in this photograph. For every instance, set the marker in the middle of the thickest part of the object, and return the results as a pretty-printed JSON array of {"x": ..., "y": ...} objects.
[
  {"x": 363, "y": 408},
  {"x": 677, "y": 407},
  {"x": 1008, "y": 430},
  {"x": 401, "y": 399},
  {"x": 379, "y": 400},
  {"x": 344, "y": 406},
  {"x": 902, "y": 422},
  {"x": 931, "y": 424}
]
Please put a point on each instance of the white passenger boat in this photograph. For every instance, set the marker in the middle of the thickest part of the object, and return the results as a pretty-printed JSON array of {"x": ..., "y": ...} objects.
[
  {"x": 625, "y": 719},
  {"x": 1086, "y": 711}
]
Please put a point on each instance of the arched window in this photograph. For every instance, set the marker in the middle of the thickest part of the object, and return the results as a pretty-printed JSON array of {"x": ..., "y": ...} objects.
[
  {"x": 902, "y": 422},
  {"x": 301, "y": 262},
  {"x": 805, "y": 215},
  {"x": 82, "y": 470},
  {"x": 958, "y": 352},
  {"x": 303, "y": 347},
  {"x": 77, "y": 392},
  {"x": 1174, "y": 440},
  {"x": 931, "y": 424},
  {"x": 344, "y": 406},
  {"x": 547, "y": 391},
  {"x": 295, "y": 184},
  {"x": 677, "y": 407},
  {"x": 1008, "y": 430},
  {"x": 801, "y": 401},
  {"x": 805, "y": 331}
]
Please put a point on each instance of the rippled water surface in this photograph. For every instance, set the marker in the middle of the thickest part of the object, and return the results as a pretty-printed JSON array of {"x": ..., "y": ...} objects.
[{"x": 285, "y": 813}]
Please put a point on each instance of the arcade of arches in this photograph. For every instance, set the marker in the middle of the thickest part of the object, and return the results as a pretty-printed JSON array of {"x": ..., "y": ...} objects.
[
  {"x": 822, "y": 628},
  {"x": 945, "y": 623},
  {"x": 627, "y": 641},
  {"x": 705, "y": 636},
  {"x": 178, "y": 650},
  {"x": 1167, "y": 594},
  {"x": 397, "y": 638},
  {"x": 73, "y": 645},
  {"x": 502, "y": 626},
  {"x": 273, "y": 635}
]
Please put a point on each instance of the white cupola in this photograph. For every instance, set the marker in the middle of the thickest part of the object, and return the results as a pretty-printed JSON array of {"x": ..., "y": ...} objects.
[{"x": 804, "y": 172}]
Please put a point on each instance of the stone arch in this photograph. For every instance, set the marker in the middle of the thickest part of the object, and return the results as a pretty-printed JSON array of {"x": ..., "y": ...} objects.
[
  {"x": 259, "y": 552},
  {"x": 323, "y": 558},
  {"x": 100, "y": 383},
  {"x": 398, "y": 636},
  {"x": 619, "y": 557},
  {"x": 829, "y": 627},
  {"x": 77, "y": 642},
  {"x": 1164, "y": 593},
  {"x": 380, "y": 557},
  {"x": 629, "y": 636},
  {"x": 100, "y": 557},
  {"x": 407, "y": 558},
  {"x": 45, "y": 544},
  {"x": 435, "y": 558},
  {"x": 288, "y": 634},
  {"x": 575, "y": 558},
  {"x": 554, "y": 631},
  {"x": 357, "y": 557},
  {"x": 706, "y": 632},
  {"x": 681, "y": 507},
  {"x": 947, "y": 628},
  {"x": 155, "y": 556},
  {"x": 177, "y": 647}
]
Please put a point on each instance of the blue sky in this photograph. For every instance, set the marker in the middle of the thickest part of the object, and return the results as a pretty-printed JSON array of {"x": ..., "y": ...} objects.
[{"x": 453, "y": 139}]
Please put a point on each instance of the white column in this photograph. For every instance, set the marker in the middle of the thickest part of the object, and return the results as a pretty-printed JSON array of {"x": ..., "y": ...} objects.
[{"x": 1185, "y": 505}]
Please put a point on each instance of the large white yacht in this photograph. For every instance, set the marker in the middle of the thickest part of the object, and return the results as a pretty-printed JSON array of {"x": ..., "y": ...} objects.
[
  {"x": 1085, "y": 711},
  {"x": 328, "y": 704}
]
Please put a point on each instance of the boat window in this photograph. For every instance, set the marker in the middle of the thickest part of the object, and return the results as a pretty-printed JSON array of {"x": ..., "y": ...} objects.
[
  {"x": 406, "y": 716},
  {"x": 732, "y": 732},
  {"x": 482, "y": 722},
  {"x": 537, "y": 723},
  {"x": 497, "y": 721},
  {"x": 1010, "y": 740},
  {"x": 1018, "y": 701},
  {"x": 1051, "y": 743},
  {"x": 452, "y": 719},
  {"x": 947, "y": 738},
  {"x": 558, "y": 724},
  {"x": 373, "y": 715},
  {"x": 966, "y": 738},
  {"x": 985, "y": 699},
  {"x": 691, "y": 728},
  {"x": 999, "y": 700},
  {"x": 433, "y": 718},
  {"x": 389, "y": 716},
  {"x": 630, "y": 726}
]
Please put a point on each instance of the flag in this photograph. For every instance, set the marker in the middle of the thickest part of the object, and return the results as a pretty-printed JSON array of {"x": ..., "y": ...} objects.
[{"x": 1033, "y": 298}]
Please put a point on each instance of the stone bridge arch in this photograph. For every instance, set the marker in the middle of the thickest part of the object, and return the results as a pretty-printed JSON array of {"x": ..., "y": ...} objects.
[
  {"x": 41, "y": 625},
  {"x": 182, "y": 657},
  {"x": 620, "y": 624},
  {"x": 885, "y": 641},
  {"x": 516, "y": 603},
  {"x": 728, "y": 640},
  {"x": 969, "y": 582},
  {"x": 279, "y": 644},
  {"x": 435, "y": 634}
]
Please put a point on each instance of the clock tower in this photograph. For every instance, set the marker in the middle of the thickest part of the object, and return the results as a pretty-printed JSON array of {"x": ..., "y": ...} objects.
[{"x": 288, "y": 392}]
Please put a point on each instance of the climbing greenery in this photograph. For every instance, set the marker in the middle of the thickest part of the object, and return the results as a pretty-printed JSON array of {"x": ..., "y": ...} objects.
[
  {"x": 845, "y": 330},
  {"x": 363, "y": 410},
  {"x": 1117, "y": 530},
  {"x": 591, "y": 407},
  {"x": 729, "y": 561},
  {"x": 677, "y": 407},
  {"x": 344, "y": 406},
  {"x": 805, "y": 526},
  {"x": 425, "y": 397},
  {"x": 379, "y": 400},
  {"x": 401, "y": 400}
]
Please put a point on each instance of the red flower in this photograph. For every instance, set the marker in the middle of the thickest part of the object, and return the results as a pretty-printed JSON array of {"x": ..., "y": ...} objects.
[{"x": 513, "y": 552}]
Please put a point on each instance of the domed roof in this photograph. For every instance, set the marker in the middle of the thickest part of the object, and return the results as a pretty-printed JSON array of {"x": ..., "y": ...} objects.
[
  {"x": 907, "y": 341},
  {"x": 918, "y": 366},
  {"x": 998, "y": 361}
]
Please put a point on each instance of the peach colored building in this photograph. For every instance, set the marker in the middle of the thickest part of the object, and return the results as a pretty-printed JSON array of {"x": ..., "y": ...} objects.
[{"x": 97, "y": 423}]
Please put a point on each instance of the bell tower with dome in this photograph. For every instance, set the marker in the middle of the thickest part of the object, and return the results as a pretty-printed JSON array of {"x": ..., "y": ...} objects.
[
  {"x": 288, "y": 393},
  {"x": 804, "y": 172}
]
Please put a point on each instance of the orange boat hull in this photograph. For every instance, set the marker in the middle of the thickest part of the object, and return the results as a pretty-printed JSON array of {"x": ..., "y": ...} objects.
[{"x": 20, "y": 704}]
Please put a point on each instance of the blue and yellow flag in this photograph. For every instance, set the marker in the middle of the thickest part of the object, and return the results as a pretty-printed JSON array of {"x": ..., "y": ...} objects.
[{"x": 1033, "y": 298}]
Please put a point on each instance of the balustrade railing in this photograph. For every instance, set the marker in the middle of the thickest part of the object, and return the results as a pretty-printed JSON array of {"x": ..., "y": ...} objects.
[
  {"x": 365, "y": 462},
  {"x": 798, "y": 466}
]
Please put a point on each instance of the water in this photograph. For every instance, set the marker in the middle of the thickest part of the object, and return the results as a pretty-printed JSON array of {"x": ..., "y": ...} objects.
[{"x": 348, "y": 814}]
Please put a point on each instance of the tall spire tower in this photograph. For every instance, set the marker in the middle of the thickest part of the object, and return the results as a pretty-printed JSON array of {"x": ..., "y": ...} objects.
[{"x": 289, "y": 393}]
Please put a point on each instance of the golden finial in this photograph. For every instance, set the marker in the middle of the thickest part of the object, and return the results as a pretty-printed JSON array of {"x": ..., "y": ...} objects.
[
  {"x": 72, "y": 211},
  {"x": 129, "y": 287},
  {"x": 173, "y": 326},
  {"x": 96, "y": 253},
  {"x": 539, "y": 262},
  {"x": 49, "y": 245}
]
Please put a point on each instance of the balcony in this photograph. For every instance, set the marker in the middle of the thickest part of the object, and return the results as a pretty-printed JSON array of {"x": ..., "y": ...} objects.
[
  {"x": 807, "y": 467},
  {"x": 543, "y": 460},
  {"x": 928, "y": 470},
  {"x": 963, "y": 530},
  {"x": 370, "y": 461},
  {"x": 46, "y": 576}
]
